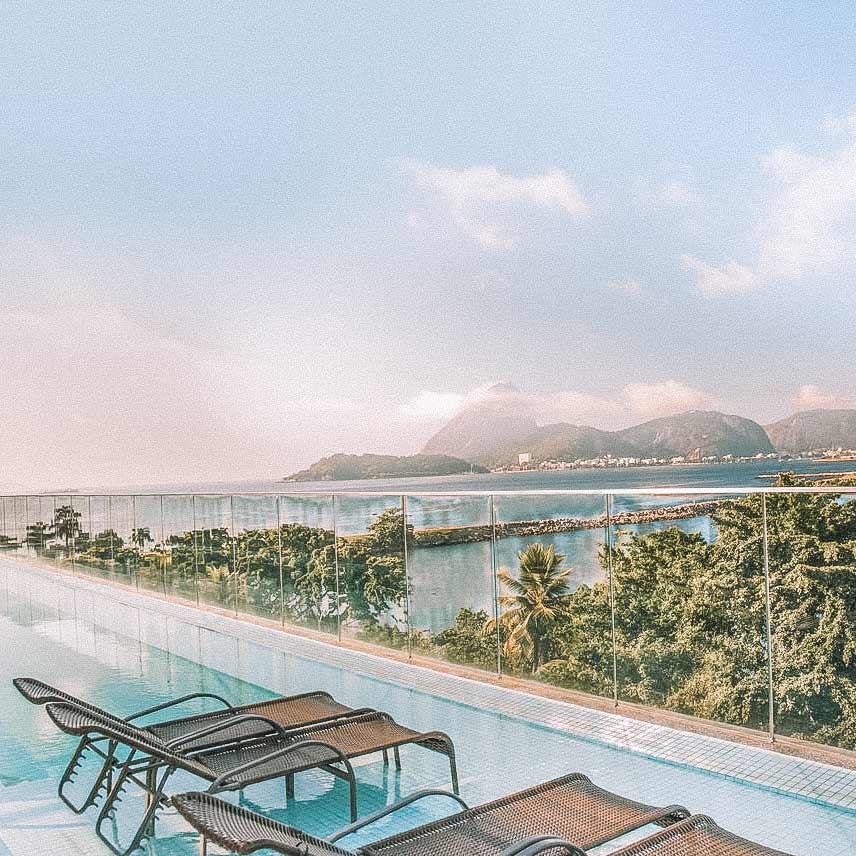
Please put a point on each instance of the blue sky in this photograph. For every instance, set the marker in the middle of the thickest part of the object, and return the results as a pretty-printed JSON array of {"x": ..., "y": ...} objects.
[{"x": 237, "y": 236}]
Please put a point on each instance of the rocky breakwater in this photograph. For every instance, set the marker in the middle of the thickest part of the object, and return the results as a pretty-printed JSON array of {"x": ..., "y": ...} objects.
[{"x": 443, "y": 537}]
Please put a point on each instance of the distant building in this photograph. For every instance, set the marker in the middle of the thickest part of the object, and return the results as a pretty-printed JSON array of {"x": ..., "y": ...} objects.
[{"x": 523, "y": 460}]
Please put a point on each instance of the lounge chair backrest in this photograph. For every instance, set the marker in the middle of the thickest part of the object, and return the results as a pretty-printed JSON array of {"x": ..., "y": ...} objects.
[
  {"x": 73, "y": 720},
  {"x": 242, "y": 831},
  {"x": 38, "y": 692},
  {"x": 696, "y": 834}
]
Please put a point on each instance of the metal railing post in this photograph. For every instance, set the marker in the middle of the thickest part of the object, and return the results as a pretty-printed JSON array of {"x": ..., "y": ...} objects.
[
  {"x": 406, "y": 577},
  {"x": 72, "y": 523},
  {"x": 493, "y": 571},
  {"x": 279, "y": 552},
  {"x": 234, "y": 548},
  {"x": 163, "y": 547},
  {"x": 611, "y": 575},
  {"x": 336, "y": 569},
  {"x": 771, "y": 717},
  {"x": 195, "y": 550}
]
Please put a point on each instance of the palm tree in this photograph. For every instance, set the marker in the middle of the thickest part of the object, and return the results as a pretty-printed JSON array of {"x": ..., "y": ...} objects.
[
  {"x": 534, "y": 603},
  {"x": 141, "y": 537}
]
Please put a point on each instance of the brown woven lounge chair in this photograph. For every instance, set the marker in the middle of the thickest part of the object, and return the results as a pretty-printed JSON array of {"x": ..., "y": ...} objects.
[
  {"x": 280, "y": 753},
  {"x": 288, "y": 711},
  {"x": 571, "y": 807}
]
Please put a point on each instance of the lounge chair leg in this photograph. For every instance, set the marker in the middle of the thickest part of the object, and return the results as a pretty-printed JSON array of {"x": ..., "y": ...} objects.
[
  {"x": 203, "y": 845},
  {"x": 397, "y": 758},
  {"x": 352, "y": 786},
  {"x": 150, "y": 787},
  {"x": 289, "y": 786},
  {"x": 104, "y": 778},
  {"x": 154, "y": 798},
  {"x": 385, "y": 758}
]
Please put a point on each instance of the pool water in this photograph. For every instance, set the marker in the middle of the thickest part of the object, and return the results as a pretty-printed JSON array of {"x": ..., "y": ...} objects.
[{"x": 496, "y": 754}]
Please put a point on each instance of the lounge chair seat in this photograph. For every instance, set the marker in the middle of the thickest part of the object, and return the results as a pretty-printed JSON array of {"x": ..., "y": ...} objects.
[
  {"x": 281, "y": 752},
  {"x": 569, "y": 807}
]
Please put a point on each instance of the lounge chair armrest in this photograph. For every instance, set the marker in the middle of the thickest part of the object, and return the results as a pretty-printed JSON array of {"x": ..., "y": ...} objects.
[
  {"x": 178, "y": 742},
  {"x": 540, "y": 843},
  {"x": 222, "y": 782},
  {"x": 390, "y": 809},
  {"x": 437, "y": 737},
  {"x": 174, "y": 702}
]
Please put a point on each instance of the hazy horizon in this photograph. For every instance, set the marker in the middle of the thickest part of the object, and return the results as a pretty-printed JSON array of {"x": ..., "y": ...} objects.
[{"x": 237, "y": 239}]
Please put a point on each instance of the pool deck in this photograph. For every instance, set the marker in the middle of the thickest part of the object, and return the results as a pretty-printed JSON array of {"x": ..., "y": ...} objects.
[{"x": 798, "y": 768}]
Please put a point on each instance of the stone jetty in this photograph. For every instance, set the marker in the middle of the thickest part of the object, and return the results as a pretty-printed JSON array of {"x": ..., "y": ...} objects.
[{"x": 525, "y": 528}]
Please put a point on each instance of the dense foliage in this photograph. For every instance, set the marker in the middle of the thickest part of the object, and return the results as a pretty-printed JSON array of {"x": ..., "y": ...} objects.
[
  {"x": 690, "y": 620},
  {"x": 348, "y": 467}
]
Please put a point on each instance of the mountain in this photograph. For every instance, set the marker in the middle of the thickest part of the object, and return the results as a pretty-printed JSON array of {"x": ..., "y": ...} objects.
[
  {"x": 494, "y": 432},
  {"x": 711, "y": 432},
  {"x": 347, "y": 467},
  {"x": 502, "y": 419},
  {"x": 811, "y": 430}
]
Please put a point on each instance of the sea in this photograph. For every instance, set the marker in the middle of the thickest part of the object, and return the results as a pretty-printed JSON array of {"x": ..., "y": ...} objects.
[{"x": 445, "y": 579}]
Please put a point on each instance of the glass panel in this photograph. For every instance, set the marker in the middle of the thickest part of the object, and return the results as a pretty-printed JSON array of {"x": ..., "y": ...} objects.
[
  {"x": 812, "y": 559},
  {"x": 372, "y": 581},
  {"x": 180, "y": 564},
  {"x": 213, "y": 518},
  {"x": 690, "y": 607},
  {"x": 65, "y": 524},
  {"x": 555, "y": 622},
  {"x": 116, "y": 541},
  {"x": 35, "y": 527},
  {"x": 147, "y": 543},
  {"x": 7, "y": 525},
  {"x": 450, "y": 569},
  {"x": 257, "y": 556},
  {"x": 308, "y": 562}
]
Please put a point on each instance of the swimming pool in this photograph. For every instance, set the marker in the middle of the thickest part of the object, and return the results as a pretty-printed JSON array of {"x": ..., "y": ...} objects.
[{"x": 59, "y": 638}]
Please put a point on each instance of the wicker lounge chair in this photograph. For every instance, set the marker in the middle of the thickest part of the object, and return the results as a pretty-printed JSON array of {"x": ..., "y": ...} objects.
[
  {"x": 281, "y": 753},
  {"x": 288, "y": 711},
  {"x": 567, "y": 808}
]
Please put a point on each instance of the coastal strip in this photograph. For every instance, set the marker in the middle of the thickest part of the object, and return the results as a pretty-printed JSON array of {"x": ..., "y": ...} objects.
[{"x": 446, "y": 536}]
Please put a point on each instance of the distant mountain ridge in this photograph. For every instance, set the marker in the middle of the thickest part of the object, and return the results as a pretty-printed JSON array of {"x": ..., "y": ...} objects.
[
  {"x": 495, "y": 430},
  {"x": 813, "y": 430},
  {"x": 348, "y": 467}
]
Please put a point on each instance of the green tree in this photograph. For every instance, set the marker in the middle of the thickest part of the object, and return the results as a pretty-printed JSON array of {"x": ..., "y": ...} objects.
[
  {"x": 141, "y": 536},
  {"x": 66, "y": 524},
  {"x": 536, "y": 602}
]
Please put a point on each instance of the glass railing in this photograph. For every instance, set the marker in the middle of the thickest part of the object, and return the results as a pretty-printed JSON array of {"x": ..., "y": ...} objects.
[{"x": 733, "y": 605}]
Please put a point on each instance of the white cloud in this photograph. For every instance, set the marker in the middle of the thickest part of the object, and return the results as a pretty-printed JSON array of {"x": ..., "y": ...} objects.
[
  {"x": 636, "y": 402},
  {"x": 732, "y": 278},
  {"x": 674, "y": 193},
  {"x": 433, "y": 405},
  {"x": 627, "y": 286},
  {"x": 811, "y": 397},
  {"x": 651, "y": 400},
  {"x": 577, "y": 407},
  {"x": 805, "y": 226},
  {"x": 489, "y": 206}
]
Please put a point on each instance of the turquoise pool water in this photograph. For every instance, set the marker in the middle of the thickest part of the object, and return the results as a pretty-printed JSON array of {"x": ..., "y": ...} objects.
[{"x": 497, "y": 754}]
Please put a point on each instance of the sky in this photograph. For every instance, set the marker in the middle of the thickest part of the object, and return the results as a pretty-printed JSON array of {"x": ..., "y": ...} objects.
[{"x": 235, "y": 237}]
